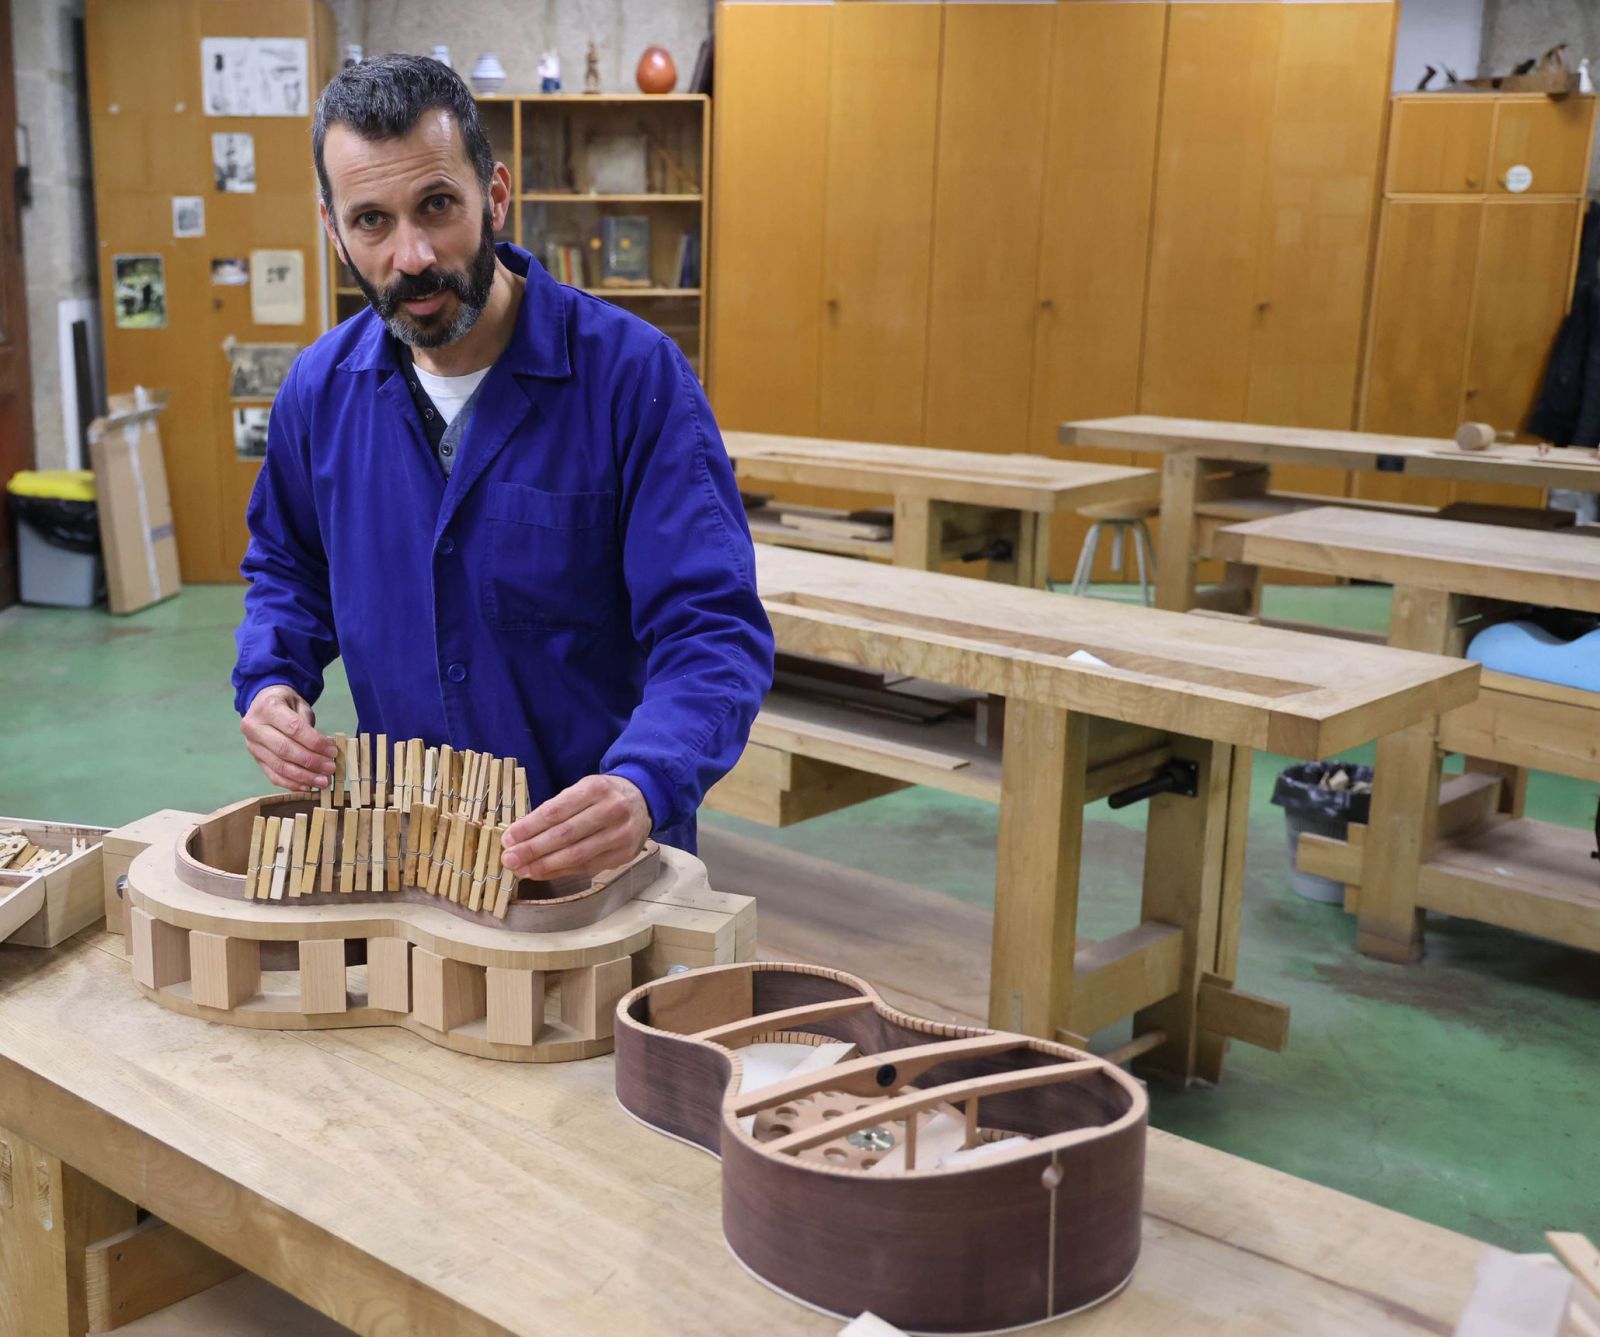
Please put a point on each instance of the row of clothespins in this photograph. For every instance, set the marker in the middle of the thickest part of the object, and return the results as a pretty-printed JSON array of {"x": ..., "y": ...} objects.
[
  {"x": 18, "y": 854},
  {"x": 380, "y": 849},
  {"x": 468, "y": 784}
]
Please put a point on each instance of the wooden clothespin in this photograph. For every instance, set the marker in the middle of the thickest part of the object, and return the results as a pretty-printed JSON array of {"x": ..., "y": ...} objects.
[
  {"x": 269, "y": 856},
  {"x": 380, "y": 777},
  {"x": 308, "y": 879},
  {"x": 297, "y": 855},
  {"x": 252, "y": 871},
  {"x": 280, "y": 863},
  {"x": 330, "y": 853},
  {"x": 352, "y": 838},
  {"x": 341, "y": 750}
]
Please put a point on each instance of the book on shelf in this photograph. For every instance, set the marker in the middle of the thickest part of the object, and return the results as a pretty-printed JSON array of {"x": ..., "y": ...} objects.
[
  {"x": 689, "y": 258},
  {"x": 564, "y": 263}
]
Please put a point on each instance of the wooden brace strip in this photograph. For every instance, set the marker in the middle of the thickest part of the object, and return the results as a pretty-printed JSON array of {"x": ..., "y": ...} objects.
[
  {"x": 735, "y": 1033},
  {"x": 860, "y": 1077},
  {"x": 146, "y": 1269},
  {"x": 884, "y": 1111}
]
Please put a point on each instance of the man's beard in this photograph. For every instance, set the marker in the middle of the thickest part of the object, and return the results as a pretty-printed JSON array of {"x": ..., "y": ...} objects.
[{"x": 431, "y": 331}]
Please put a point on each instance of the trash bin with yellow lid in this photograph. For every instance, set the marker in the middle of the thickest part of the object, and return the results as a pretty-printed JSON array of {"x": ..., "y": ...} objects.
[{"x": 58, "y": 537}]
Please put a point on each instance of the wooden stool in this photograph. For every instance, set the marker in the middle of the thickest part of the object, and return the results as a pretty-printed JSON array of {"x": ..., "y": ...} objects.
[{"x": 1122, "y": 518}]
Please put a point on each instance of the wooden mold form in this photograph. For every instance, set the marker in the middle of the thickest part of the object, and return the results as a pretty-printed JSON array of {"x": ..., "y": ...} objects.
[
  {"x": 948, "y": 1179},
  {"x": 282, "y": 912},
  {"x": 50, "y": 883}
]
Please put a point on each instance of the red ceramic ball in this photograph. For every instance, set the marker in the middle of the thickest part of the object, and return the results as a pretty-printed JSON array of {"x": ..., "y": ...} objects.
[{"x": 657, "y": 73}]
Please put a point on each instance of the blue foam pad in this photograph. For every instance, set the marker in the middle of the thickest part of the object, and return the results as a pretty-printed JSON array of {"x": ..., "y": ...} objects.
[{"x": 1529, "y": 651}]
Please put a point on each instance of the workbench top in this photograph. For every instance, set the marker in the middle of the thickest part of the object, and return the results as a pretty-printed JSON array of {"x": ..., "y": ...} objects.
[
  {"x": 1018, "y": 482},
  {"x": 1369, "y": 452},
  {"x": 1205, "y": 677},
  {"x": 401, "y": 1188}
]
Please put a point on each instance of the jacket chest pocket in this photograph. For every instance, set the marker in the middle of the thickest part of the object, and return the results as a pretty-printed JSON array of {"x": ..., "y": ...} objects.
[{"x": 551, "y": 558}]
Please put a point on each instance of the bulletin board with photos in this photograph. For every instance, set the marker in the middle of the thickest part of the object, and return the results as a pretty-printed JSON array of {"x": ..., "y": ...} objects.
[{"x": 212, "y": 273}]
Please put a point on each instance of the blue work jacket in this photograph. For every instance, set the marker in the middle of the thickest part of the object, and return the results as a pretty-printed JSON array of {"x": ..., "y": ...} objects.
[{"x": 580, "y": 594}]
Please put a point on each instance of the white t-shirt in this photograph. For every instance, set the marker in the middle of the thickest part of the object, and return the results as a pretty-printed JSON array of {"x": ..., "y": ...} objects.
[{"x": 449, "y": 393}]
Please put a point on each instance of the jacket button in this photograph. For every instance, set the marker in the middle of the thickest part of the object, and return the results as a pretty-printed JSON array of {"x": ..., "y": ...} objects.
[
  {"x": 457, "y": 673},
  {"x": 446, "y": 546}
]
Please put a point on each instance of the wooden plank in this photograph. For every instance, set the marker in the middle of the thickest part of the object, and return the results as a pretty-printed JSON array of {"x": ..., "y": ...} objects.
[
  {"x": 145, "y": 1269},
  {"x": 322, "y": 976},
  {"x": 446, "y": 993},
  {"x": 589, "y": 996},
  {"x": 226, "y": 970},
  {"x": 1225, "y": 1011},
  {"x": 1524, "y": 722},
  {"x": 160, "y": 951},
  {"x": 515, "y": 1003},
  {"x": 389, "y": 974},
  {"x": 1031, "y": 986}
]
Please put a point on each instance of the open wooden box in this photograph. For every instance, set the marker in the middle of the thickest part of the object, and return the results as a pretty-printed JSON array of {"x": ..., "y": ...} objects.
[{"x": 42, "y": 909}]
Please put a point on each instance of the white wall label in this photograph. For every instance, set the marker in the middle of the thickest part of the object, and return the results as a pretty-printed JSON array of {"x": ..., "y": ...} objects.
[{"x": 1518, "y": 178}]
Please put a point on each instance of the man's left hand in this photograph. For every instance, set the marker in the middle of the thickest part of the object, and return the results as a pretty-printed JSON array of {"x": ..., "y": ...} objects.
[{"x": 601, "y": 822}]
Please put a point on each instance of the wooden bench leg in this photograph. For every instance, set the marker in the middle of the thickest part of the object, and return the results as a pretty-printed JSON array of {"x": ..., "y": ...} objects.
[
  {"x": 49, "y": 1215},
  {"x": 918, "y": 533},
  {"x": 1036, "y": 878},
  {"x": 1186, "y": 868},
  {"x": 1211, "y": 1047},
  {"x": 1405, "y": 791},
  {"x": 1175, "y": 555}
]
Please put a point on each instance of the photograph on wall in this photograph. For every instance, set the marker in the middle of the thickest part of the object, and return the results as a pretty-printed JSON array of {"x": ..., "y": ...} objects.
[
  {"x": 139, "y": 292},
  {"x": 230, "y": 272},
  {"x": 233, "y": 163},
  {"x": 277, "y": 287},
  {"x": 259, "y": 369},
  {"x": 188, "y": 216},
  {"x": 250, "y": 433},
  {"x": 254, "y": 76}
]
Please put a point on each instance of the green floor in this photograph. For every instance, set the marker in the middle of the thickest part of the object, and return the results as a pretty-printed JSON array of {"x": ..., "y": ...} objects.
[{"x": 1464, "y": 1090}]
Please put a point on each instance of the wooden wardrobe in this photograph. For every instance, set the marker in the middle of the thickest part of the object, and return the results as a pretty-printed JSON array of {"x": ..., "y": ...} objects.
[
  {"x": 1473, "y": 276},
  {"x": 959, "y": 224}
]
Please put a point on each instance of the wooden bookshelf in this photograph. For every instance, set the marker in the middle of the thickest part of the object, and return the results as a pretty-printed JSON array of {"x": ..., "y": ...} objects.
[{"x": 555, "y": 146}]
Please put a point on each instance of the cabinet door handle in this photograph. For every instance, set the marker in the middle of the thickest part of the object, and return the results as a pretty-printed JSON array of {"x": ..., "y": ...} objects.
[
  {"x": 1472, "y": 183},
  {"x": 1047, "y": 304},
  {"x": 1263, "y": 307}
]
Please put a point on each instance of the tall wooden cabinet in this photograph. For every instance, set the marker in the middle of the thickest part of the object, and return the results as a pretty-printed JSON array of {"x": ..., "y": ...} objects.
[
  {"x": 1484, "y": 196},
  {"x": 959, "y": 224},
  {"x": 152, "y": 141}
]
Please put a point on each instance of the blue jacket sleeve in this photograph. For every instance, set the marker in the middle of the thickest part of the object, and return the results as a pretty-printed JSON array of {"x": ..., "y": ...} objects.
[
  {"x": 690, "y": 573},
  {"x": 287, "y": 635}
]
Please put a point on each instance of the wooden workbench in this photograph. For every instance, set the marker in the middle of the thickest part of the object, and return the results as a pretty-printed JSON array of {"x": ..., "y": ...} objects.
[
  {"x": 1462, "y": 846},
  {"x": 407, "y": 1191},
  {"x": 1215, "y": 474},
  {"x": 948, "y": 504},
  {"x": 1170, "y": 687}
]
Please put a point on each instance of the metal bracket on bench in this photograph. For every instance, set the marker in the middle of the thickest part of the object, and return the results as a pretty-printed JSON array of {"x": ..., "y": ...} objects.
[{"x": 1174, "y": 777}]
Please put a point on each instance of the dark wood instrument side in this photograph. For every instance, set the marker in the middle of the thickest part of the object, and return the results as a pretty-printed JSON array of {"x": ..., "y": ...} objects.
[
  {"x": 946, "y": 1252},
  {"x": 669, "y": 1082}
]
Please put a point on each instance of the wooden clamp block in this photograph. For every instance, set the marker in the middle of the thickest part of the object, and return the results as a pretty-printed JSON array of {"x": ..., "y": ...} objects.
[
  {"x": 160, "y": 951},
  {"x": 462, "y": 844},
  {"x": 589, "y": 996},
  {"x": 389, "y": 974},
  {"x": 378, "y": 861},
  {"x": 1224, "y": 1010},
  {"x": 280, "y": 866},
  {"x": 225, "y": 971},
  {"x": 297, "y": 853},
  {"x": 341, "y": 751},
  {"x": 308, "y": 878},
  {"x": 446, "y": 993},
  {"x": 119, "y": 848},
  {"x": 352, "y": 838},
  {"x": 262, "y": 887},
  {"x": 516, "y": 1005},
  {"x": 363, "y": 848},
  {"x": 322, "y": 976}
]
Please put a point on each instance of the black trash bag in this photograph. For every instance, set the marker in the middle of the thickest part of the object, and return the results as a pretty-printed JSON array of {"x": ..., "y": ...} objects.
[
  {"x": 1299, "y": 789},
  {"x": 73, "y": 525}
]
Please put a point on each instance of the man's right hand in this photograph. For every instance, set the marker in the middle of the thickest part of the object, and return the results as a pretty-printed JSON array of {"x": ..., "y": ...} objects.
[{"x": 280, "y": 730}]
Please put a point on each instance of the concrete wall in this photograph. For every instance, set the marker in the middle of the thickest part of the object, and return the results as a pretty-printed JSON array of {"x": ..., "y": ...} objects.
[
  {"x": 1439, "y": 33},
  {"x": 1514, "y": 30},
  {"x": 57, "y": 228},
  {"x": 519, "y": 31}
]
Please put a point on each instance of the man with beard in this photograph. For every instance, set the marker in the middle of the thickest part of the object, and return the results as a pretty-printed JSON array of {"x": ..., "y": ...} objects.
[{"x": 502, "y": 501}]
